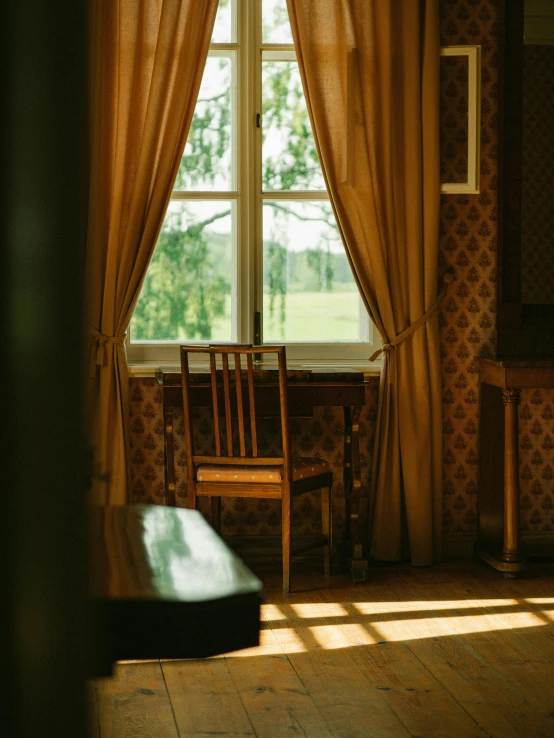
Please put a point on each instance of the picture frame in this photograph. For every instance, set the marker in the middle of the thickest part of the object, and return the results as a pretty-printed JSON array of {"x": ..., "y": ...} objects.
[{"x": 472, "y": 183}]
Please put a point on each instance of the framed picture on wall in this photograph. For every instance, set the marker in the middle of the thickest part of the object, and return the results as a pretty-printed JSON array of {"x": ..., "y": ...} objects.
[{"x": 460, "y": 111}]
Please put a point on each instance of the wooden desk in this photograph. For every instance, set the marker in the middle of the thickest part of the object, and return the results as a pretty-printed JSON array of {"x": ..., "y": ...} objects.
[
  {"x": 307, "y": 389},
  {"x": 501, "y": 382},
  {"x": 167, "y": 586}
]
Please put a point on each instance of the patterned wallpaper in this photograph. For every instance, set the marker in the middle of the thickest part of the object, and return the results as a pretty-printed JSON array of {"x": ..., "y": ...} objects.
[
  {"x": 537, "y": 236},
  {"x": 536, "y": 460},
  {"x": 468, "y": 247}
]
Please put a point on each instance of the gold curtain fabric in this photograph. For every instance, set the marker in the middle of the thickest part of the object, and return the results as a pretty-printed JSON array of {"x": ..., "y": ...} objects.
[
  {"x": 370, "y": 70},
  {"x": 147, "y": 60}
]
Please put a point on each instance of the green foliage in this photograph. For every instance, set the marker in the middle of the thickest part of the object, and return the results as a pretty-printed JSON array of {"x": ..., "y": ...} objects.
[
  {"x": 275, "y": 264},
  {"x": 321, "y": 263},
  {"x": 206, "y": 158},
  {"x": 296, "y": 167},
  {"x": 275, "y": 22},
  {"x": 183, "y": 291}
]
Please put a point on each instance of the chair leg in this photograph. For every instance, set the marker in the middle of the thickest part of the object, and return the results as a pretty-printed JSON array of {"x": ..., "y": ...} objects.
[
  {"x": 191, "y": 497},
  {"x": 216, "y": 513},
  {"x": 285, "y": 534},
  {"x": 327, "y": 527}
]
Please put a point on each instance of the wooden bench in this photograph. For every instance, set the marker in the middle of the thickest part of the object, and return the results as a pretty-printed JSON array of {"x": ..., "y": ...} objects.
[{"x": 166, "y": 586}]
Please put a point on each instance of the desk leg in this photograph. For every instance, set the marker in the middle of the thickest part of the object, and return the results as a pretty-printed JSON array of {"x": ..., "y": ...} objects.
[
  {"x": 352, "y": 491},
  {"x": 169, "y": 459}
]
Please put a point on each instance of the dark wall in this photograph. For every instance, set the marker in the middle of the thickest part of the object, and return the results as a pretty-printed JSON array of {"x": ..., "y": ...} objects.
[
  {"x": 43, "y": 143},
  {"x": 537, "y": 208}
]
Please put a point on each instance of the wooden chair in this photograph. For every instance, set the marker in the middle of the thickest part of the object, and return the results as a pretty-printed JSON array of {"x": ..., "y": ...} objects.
[{"x": 248, "y": 474}]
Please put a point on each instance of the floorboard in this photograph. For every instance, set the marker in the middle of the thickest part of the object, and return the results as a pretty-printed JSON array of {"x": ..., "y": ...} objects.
[
  {"x": 276, "y": 699},
  {"x": 453, "y": 651},
  {"x": 419, "y": 700},
  {"x": 205, "y": 699},
  {"x": 93, "y": 727},
  {"x": 134, "y": 703},
  {"x": 486, "y": 585},
  {"x": 514, "y": 671},
  {"x": 347, "y": 700}
]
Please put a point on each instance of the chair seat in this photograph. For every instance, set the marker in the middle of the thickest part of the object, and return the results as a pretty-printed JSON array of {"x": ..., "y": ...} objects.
[{"x": 302, "y": 468}]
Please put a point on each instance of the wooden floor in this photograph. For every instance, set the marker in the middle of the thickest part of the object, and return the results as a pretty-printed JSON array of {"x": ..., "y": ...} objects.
[{"x": 450, "y": 651}]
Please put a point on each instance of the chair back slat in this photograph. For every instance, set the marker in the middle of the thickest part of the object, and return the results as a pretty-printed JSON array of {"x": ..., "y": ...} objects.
[
  {"x": 284, "y": 402},
  {"x": 215, "y": 404},
  {"x": 240, "y": 408},
  {"x": 227, "y": 398},
  {"x": 187, "y": 416},
  {"x": 252, "y": 403}
]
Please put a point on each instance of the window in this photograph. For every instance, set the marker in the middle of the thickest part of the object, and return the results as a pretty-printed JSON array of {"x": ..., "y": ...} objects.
[{"x": 249, "y": 243}]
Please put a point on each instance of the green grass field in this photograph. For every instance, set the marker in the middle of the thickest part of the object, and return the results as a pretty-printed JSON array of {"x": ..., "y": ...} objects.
[{"x": 309, "y": 316}]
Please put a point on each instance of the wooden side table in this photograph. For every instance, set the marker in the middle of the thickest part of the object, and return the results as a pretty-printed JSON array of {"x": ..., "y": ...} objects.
[{"x": 501, "y": 382}]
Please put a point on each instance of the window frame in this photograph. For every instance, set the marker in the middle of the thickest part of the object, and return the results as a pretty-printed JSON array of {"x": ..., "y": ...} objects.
[{"x": 248, "y": 198}]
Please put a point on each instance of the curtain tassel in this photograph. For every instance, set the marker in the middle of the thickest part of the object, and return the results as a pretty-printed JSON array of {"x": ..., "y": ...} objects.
[
  {"x": 391, "y": 345},
  {"x": 97, "y": 351}
]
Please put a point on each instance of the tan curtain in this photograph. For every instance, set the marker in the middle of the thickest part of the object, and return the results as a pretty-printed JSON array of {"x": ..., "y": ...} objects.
[
  {"x": 147, "y": 60},
  {"x": 370, "y": 70}
]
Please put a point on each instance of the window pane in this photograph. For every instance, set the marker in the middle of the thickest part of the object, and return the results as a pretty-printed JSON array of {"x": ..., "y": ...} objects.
[
  {"x": 224, "y": 27},
  {"x": 187, "y": 292},
  {"x": 275, "y": 22},
  {"x": 206, "y": 163},
  {"x": 289, "y": 155},
  {"x": 309, "y": 291}
]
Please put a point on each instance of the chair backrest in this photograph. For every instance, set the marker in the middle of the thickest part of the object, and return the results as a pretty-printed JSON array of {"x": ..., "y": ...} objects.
[{"x": 234, "y": 388}]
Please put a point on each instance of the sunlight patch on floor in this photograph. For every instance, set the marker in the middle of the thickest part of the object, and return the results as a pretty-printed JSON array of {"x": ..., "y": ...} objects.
[
  {"x": 378, "y": 608},
  {"x": 270, "y": 646},
  {"x": 272, "y": 613},
  {"x": 433, "y": 627},
  {"x": 290, "y": 641},
  {"x": 540, "y": 601},
  {"x": 319, "y": 609},
  {"x": 330, "y": 637},
  {"x": 324, "y": 636},
  {"x": 357, "y": 634},
  {"x": 528, "y": 613}
]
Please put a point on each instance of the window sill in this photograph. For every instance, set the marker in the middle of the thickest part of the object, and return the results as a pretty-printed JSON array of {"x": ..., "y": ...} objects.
[{"x": 150, "y": 369}]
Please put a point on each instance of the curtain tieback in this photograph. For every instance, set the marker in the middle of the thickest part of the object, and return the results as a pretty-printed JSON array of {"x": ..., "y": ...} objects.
[
  {"x": 97, "y": 352},
  {"x": 391, "y": 345}
]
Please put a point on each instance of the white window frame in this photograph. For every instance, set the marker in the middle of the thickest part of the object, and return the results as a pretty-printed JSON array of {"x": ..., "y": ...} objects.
[{"x": 247, "y": 197}]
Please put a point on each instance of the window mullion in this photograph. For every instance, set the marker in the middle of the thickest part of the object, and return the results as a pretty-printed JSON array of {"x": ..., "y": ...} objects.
[
  {"x": 315, "y": 195},
  {"x": 244, "y": 162},
  {"x": 257, "y": 147},
  {"x": 204, "y": 195},
  {"x": 246, "y": 172}
]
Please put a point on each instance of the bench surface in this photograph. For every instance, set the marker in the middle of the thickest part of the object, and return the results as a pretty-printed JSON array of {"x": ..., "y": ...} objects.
[{"x": 167, "y": 586}]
